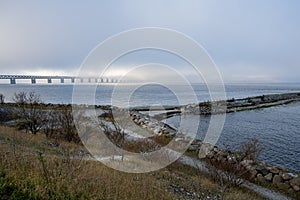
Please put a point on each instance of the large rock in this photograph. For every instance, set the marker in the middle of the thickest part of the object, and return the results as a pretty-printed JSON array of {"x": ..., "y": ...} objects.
[
  {"x": 273, "y": 170},
  {"x": 286, "y": 176},
  {"x": 296, "y": 187},
  {"x": 193, "y": 147},
  {"x": 252, "y": 172},
  {"x": 260, "y": 178},
  {"x": 277, "y": 179},
  {"x": 262, "y": 169},
  {"x": 269, "y": 177},
  {"x": 205, "y": 150},
  {"x": 295, "y": 181}
]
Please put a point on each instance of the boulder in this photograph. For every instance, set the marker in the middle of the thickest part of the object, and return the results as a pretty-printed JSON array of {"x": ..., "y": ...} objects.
[
  {"x": 273, "y": 170},
  {"x": 252, "y": 172},
  {"x": 269, "y": 177},
  {"x": 141, "y": 121},
  {"x": 277, "y": 179},
  {"x": 286, "y": 176},
  {"x": 193, "y": 147},
  {"x": 295, "y": 181},
  {"x": 260, "y": 178},
  {"x": 157, "y": 130},
  {"x": 296, "y": 187},
  {"x": 204, "y": 150},
  {"x": 262, "y": 169}
]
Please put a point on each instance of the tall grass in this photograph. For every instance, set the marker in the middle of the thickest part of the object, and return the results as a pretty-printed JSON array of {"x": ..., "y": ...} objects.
[{"x": 29, "y": 170}]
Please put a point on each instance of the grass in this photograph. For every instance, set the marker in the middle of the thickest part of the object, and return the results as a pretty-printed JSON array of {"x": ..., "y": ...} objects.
[{"x": 31, "y": 170}]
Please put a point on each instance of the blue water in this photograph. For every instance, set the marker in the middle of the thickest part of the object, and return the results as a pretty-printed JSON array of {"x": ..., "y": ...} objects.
[
  {"x": 278, "y": 128},
  {"x": 143, "y": 96}
]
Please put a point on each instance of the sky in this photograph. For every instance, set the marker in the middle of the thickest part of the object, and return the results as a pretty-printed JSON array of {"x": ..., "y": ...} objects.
[{"x": 249, "y": 41}]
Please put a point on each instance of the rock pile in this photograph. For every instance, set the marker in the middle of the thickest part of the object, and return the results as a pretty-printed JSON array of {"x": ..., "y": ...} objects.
[
  {"x": 157, "y": 127},
  {"x": 234, "y": 105},
  {"x": 259, "y": 171}
]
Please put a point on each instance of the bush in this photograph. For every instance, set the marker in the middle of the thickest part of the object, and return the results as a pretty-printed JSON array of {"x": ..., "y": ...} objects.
[
  {"x": 31, "y": 116},
  {"x": 2, "y": 97},
  {"x": 226, "y": 167}
]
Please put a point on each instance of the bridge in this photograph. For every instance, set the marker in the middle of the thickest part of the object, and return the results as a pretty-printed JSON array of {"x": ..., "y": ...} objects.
[{"x": 13, "y": 79}]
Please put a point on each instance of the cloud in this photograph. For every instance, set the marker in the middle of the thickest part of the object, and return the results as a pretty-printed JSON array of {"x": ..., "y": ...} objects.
[{"x": 255, "y": 40}]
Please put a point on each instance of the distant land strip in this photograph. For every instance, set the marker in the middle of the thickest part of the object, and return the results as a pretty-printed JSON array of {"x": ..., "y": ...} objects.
[{"x": 228, "y": 106}]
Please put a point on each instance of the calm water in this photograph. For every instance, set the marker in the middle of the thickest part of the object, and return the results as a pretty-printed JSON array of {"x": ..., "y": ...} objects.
[
  {"x": 278, "y": 128},
  {"x": 147, "y": 95}
]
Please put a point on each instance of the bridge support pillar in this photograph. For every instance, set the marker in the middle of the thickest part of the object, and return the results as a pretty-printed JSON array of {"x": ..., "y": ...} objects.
[
  {"x": 49, "y": 80},
  {"x": 33, "y": 81},
  {"x": 12, "y": 81},
  {"x": 72, "y": 80},
  {"x": 62, "y": 80}
]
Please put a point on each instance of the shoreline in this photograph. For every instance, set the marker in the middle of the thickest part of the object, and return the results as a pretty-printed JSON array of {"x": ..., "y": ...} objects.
[{"x": 262, "y": 172}]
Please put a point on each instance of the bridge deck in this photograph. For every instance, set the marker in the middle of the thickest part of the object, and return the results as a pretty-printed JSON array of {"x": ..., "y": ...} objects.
[{"x": 33, "y": 78}]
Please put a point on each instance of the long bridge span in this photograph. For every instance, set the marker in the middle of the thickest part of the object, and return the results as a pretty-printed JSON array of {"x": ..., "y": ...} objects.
[{"x": 13, "y": 79}]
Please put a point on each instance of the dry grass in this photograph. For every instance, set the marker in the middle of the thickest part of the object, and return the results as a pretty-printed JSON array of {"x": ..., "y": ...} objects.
[{"x": 31, "y": 170}]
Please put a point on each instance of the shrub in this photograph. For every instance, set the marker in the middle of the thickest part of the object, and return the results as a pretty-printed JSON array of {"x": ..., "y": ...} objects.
[{"x": 31, "y": 116}]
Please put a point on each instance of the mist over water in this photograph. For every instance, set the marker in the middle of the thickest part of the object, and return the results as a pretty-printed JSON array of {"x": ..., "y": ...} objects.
[{"x": 277, "y": 127}]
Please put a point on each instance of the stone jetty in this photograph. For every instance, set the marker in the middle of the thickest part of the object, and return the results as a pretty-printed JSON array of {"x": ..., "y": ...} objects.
[
  {"x": 228, "y": 106},
  {"x": 152, "y": 124},
  {"x": 235, "y": 105}
]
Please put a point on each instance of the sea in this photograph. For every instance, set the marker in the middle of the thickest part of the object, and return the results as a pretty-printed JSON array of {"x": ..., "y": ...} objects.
[{"x": 277, "y": 128}]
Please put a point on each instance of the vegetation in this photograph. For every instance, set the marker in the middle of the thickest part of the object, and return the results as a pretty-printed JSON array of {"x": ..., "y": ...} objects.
[
  {"x": 2, "y": 97},
  {"x": 29, "y": 169},
  {"x": 55, "y": 165},
  {"x": 226, "y": 167},
  {"x": 30, "y": 116}
]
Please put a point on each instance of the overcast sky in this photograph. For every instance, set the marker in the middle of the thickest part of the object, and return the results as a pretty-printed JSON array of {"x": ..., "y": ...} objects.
[{"x": 253, "y": 41}]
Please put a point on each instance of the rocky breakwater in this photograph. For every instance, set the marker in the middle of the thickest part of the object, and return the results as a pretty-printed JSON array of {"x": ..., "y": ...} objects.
[
  {"x": 257, "y": 171},
  {"x": 235, "y": 105},
  {"x": 153, "y": 125},
  {"x": 161, "y": 129}
]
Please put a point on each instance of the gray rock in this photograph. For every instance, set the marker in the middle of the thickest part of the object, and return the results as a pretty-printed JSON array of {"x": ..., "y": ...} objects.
[
  {"x": 295, "y": 181},
  {"x": 262, "y": 169},
  {"x": 140, "y": 121},
  {"x": 286, "y": 176},
  {"x": 252, "y": 172},
  {"x": 269, "y": 177},
  {"x": 273, "y": 170},
  {"x": 277, "y": 179},
  {"x": 296, "y": 187},
  {"x": 204, "y": 150},
  {"x": 260, "y": 178},
  {"x": 193, "y": 147}
]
